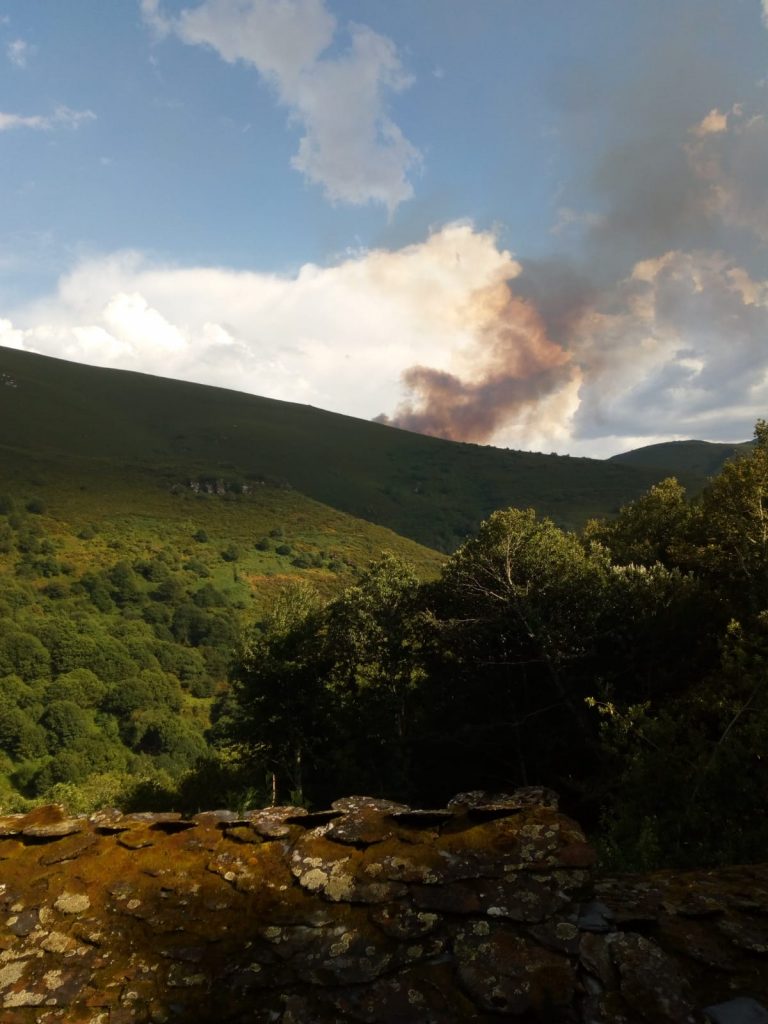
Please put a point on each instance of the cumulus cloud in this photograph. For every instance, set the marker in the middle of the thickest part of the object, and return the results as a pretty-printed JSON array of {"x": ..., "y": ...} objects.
[
  {"x": 677, "y": 349},
  {"x": 337, "y": 336},
  {"x": 62, "y": 117},
  {"x": 350, "y": 145},
  {"x": 18, "y": 52},
  {"x": 447, "y": 336}
]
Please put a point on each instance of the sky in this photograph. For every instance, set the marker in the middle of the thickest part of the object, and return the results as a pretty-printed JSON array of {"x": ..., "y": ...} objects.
[{"x": 538, "y": 224}]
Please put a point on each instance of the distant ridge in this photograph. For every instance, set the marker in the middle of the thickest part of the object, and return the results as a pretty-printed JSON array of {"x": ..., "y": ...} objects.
[
  {"x": 704, "y": 458},
  {"x": 430, "y": 490}
]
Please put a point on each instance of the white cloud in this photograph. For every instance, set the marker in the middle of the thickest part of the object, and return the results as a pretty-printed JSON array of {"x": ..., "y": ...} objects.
[
  {"x": 676, "y": 349},
  {"x": 18, "y": 52},
  {"x": 10, "y": 337},
  {"x": 350, "y": 146},
  {"x": 62, "y": 117},
  {"x": 337, "y": 337},
  {"x": 154, "y": 19}
]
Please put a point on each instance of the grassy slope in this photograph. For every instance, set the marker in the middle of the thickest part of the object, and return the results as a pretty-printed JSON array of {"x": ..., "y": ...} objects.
[
  {"x": 136, "y": 515},
  {"x": 431, "y": 490},
  {"x": 704, "y": 458}
]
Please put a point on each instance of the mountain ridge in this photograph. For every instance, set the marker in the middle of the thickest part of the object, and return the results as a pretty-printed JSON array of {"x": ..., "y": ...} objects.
[{"x": 433, "y": 491}]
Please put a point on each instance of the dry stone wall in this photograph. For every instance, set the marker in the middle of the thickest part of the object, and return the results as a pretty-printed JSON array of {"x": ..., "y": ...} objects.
[{"x": 368, "y": 912}]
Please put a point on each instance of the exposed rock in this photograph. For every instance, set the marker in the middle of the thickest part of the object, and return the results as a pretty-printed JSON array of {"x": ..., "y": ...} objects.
[
  {"x": 368, "y": 912},
  {"x": 737, "y": 1011}
]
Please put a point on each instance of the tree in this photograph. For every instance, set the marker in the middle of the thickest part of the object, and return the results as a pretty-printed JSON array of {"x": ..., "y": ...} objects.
[
  {"x": 655, "y": 528},
  {"x": 277, "y": 711},
  {"x": 22, "y": 654},
  {"x": 20, "y": 736},
  {"x": 65, "y": 723},
  {"x": 80, "y": 685},
  {"x": 326, "y": 697},
  {"x": 518, "y": 614},
  {"x": 734, "y": 540}
]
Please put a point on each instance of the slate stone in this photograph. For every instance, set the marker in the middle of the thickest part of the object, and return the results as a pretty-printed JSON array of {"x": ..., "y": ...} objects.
[
  {"x": 54, "y": 830},
  {"x": 315, "y": 820},
  {"x": 136, "y": 840},
  {"x": 271, "y": 822},
  {"x": 352, "y": 804},
  {"x": 595, "y": 917},
  {"x": 242, "y": 834},
  {"x": 24, "y": 923},
  {"x": 650, "y": 981},
  {"x": 747, "y": 934},
  {"x": 360, "y": 826},
  {"x": 737, "y": 1011},
  {"x": 442, "y": 917},
  {"x": 68, "y": 849},
  {"x": 109, "y": 821},
  {"x": 421, "y": 819},
  {"x": 524, "y": 796},
  {"x": 519, "y": 898},
  {"x": 505, "y": 973},
  {"x": 211, "y": 819}
]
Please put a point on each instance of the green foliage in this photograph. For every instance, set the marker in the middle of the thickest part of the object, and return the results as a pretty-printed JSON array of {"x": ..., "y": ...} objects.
[
  {"x": 111, "y": 648},
  {"x": 80, "y": 685},
  {"x": 23, "y": 654},
  {"x": 142, "y": 692},
  {"x": 603, "y": 665},
  {"x": 657, "y": 527},
  {"x": 20, "y": 736},
  {"x": 65, "y": 724}
]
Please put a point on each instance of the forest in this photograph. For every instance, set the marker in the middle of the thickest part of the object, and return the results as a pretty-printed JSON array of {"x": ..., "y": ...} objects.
[{"x": 624, "y": 665}]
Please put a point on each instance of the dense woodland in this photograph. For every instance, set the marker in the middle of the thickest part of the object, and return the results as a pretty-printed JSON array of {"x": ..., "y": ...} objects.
[{"x": 624, "y": 665}]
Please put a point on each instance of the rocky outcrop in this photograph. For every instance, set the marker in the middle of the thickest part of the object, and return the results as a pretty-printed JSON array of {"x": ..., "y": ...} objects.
[{"x": 368, "y": 912}]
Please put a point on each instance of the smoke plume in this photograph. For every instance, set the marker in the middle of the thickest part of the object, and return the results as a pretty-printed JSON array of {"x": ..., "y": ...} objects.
[
  {"x": 512, "y": 364},
  {"x": 655, "y": 324}
]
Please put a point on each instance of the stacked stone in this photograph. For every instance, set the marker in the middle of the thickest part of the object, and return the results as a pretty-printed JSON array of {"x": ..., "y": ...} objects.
[{"x": 369, "y": 912}]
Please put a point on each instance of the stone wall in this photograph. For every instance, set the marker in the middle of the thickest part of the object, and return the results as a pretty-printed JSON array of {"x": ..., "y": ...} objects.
[{"x": 369, "y": 912}]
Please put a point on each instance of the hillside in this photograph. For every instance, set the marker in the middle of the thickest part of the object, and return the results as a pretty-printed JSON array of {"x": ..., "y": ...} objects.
[
  {"x": 433, "y": 491},
  {"x": 680, "y": 458}
]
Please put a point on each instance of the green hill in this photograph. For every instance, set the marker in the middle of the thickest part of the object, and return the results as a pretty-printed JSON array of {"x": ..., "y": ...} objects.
[
  {"x": 435, "y": 492},
  {"x": 703, "y": 458}
]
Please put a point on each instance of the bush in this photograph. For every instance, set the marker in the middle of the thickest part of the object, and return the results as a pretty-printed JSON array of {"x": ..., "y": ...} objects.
[{"x": 283, "y": 549}]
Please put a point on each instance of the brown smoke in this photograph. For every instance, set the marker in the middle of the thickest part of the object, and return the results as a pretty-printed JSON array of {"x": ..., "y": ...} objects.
[{"x": 513, "y": 364}]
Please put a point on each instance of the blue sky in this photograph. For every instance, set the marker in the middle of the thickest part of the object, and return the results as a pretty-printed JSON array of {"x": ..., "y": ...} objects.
[{"x": 536, "y": 223}]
